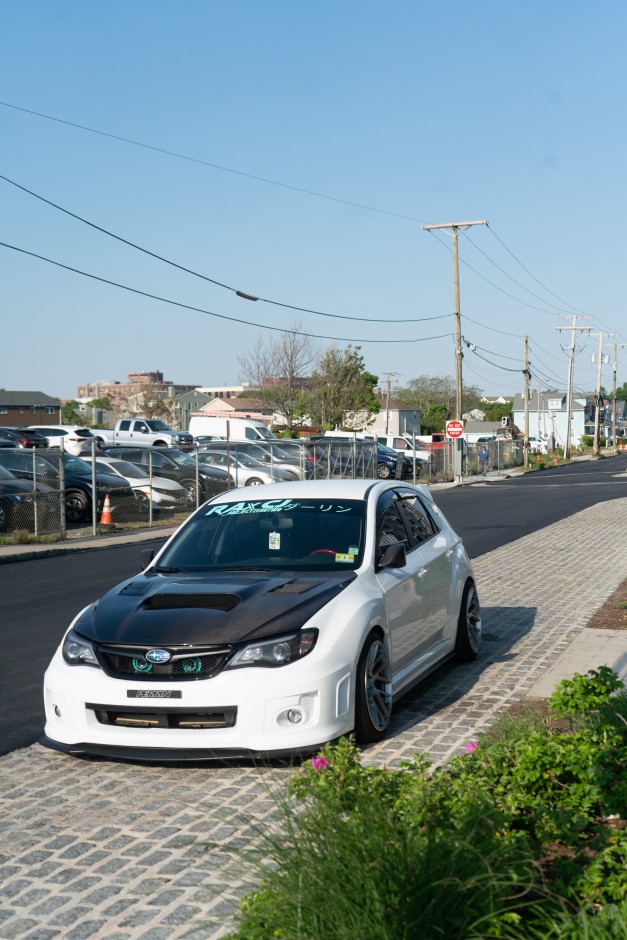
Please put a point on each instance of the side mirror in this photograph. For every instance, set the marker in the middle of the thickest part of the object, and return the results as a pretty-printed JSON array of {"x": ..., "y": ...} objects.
[
  {"x": 394, "y": 556},
  {"x": 145, "y": 556}
]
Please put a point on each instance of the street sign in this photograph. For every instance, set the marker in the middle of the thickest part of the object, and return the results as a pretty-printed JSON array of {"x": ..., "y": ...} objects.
[{"x": 454, "y": 428}]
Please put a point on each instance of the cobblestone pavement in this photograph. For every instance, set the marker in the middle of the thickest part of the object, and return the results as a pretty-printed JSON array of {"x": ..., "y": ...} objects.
[{"x": 96, "y": 849}]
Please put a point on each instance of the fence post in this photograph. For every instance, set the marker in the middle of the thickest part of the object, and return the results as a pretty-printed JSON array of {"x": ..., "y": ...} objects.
[{"x": 62, "y": 489}]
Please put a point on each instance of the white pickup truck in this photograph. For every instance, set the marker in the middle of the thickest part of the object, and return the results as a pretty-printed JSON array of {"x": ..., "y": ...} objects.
[{"x": 144, "y": 432}]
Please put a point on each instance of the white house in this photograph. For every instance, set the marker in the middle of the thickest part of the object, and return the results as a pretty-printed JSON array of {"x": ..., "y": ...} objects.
[{"x": 547, "y": 416}]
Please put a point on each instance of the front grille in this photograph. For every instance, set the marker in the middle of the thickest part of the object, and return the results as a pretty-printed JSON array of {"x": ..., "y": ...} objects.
[
  {"x": 169, "y": 718},
  {"x": 124, "y": 664}
]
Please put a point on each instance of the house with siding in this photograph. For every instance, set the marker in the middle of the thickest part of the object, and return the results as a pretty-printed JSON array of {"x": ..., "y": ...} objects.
[{"x": 548, "y": 416}]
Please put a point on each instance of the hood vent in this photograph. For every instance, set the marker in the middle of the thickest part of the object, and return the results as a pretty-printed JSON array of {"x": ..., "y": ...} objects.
[
  {"x": 293, "y": 587},
  {"x": 223, "y": 602}
]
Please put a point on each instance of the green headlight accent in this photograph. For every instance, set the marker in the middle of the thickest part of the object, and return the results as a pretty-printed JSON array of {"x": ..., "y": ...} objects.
[
  {"x": 192, "y": 665},
  {"x": 139, "y": 665}
]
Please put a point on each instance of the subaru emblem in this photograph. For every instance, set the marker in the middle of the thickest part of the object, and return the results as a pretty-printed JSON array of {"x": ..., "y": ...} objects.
[{"x": 158, "y": 656}]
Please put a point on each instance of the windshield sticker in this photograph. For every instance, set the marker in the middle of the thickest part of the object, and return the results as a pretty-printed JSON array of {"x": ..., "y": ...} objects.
[
  {"x": 239, "y": 509},
  {"x": 274, "y": 541},
  {"x": 353, "y": 551},
  {"x": 343, "y": 557}
]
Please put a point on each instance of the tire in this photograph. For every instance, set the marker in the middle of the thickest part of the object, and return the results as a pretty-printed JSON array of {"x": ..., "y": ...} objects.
[
  {"x": 373, "y": 693},
  {"x": 100, "y": 441},
  {"x": 254, "y": 481},
  {"x": 76, "y": 505},
  {"x": 191, "y": 491},
  {"x": 143, "y": 503},
  {"x": 5, "y": 516},
  {"x": 383, "y": 471},
  {"x": 468, "y": 637},
  {"x": 159, "y": 444}
]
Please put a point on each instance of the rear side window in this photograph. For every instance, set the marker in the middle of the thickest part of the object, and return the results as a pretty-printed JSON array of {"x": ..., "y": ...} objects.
[{"x": 421, "y": 525}]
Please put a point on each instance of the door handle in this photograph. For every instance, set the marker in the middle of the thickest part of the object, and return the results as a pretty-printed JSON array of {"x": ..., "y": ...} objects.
[
  {"x": 449, "y": 553},
  {"x": 423, "y": 573}
]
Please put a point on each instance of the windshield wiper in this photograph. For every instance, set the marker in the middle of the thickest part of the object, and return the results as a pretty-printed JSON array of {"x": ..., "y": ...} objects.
[{"x": 240, "y": 568}]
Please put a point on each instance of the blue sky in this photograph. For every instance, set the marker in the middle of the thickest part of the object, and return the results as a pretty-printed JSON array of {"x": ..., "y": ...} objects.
[{"x": 428, "y": 112}]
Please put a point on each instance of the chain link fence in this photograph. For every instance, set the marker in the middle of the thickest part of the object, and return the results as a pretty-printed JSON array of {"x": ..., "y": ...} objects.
[{"x": 47, "y": 491}]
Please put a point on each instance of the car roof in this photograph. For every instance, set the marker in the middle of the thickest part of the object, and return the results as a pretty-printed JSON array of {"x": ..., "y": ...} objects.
[{"x": 317, "y": 489}]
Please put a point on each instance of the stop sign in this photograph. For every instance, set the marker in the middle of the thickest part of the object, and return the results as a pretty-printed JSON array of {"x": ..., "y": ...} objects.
[{"x": 454, "y": 428}]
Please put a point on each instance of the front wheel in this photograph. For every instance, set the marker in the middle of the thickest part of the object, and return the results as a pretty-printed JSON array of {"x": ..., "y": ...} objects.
[
  {"x": 468, "y": 637},
  {"x": 76, "y": 504},
  {"x": 373, "y": 696},
  {"x": 383, "y": 471},
  {"x": 191, "y": 491},
  {"x": 5, "y": 516}
]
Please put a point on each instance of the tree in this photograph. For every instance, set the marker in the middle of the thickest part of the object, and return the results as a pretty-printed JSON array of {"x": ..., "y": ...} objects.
[
  {"x": 278, "y": 369},
  {"x": 145, "y": 404},
  {"x": 621, "y": 393},
  {"x": 435, "y": 396},
  {"x": 70, "y": 413},
  {"x": 497, "y": 410},
  {"x": 342, "y": 388}
]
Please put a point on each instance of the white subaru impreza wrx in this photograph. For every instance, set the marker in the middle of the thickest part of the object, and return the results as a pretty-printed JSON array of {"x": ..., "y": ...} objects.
[{"x": 267, "y": 625}]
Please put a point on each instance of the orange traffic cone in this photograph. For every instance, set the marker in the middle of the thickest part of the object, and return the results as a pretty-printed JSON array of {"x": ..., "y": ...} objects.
[{"x": 105, "y": 518}]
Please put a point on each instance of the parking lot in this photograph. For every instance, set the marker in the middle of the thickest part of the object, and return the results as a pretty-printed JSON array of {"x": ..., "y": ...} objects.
[{"x": 96, "y": 849}]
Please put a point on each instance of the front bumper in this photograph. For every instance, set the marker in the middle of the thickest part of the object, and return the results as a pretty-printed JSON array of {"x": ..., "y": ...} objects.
[{"x": 88, "y": 712}]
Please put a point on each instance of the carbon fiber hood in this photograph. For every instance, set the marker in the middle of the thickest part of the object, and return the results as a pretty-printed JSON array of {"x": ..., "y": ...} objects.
[{"x": 199, "y": 610}]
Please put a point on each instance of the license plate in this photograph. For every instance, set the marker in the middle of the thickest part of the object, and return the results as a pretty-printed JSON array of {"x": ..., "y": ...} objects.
[{"x": 153, "y": 693}]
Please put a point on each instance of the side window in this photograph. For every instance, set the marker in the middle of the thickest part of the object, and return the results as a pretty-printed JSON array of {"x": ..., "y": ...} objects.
[
  {"x": 420, "y": 523},
  {"x": 124, "y": 425},
  {"x": 391, "y": 528}
]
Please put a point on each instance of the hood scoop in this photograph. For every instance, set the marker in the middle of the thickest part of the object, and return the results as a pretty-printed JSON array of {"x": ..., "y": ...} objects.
[
  {"x": 205, "y": 601},
  {"x": 293, "y": 587}
]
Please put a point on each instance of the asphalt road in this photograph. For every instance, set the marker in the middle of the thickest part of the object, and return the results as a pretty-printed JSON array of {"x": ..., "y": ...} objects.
[{"x": 39, "y": 598}]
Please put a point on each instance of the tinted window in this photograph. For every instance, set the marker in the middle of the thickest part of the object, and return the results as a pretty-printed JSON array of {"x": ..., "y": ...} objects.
[
  {"x": 391, "y": 528},
  {"x": 420, "y": 524}
]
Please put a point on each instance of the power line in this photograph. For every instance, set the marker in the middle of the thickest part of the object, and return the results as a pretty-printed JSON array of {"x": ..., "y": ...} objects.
[
  {"x": 214, "y": 166},
  {"x": 221, "y": 316},
  {"x": 211, "y": 280}
]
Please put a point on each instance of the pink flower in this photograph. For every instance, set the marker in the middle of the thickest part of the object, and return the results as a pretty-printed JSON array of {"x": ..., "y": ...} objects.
[
  {"x": 319, "y": 763},
  {"x": 470, "y": 747}
]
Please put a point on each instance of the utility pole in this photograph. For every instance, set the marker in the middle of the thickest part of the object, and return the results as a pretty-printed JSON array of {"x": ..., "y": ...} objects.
[
  {"x": 616, "y": 346},
  {"x": 571, "y": 373},
  {"x": 455, "y": 227},
  {"x": 526, "y": 396},
  {"x": 597, "y": 405},
  {"x": 387, "y": 399}
]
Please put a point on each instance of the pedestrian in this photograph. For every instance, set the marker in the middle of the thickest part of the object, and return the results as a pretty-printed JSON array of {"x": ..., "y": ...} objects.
[{"x": 483, "y": 455}]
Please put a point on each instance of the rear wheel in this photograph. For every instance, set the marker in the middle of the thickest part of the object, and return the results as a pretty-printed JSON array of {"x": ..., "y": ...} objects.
[
  {"x": 373, "y": 696},
  {"x": 468, "y": 637},
  {"x": 383, "y": 471},
  {"x": 254, "y": 481}
]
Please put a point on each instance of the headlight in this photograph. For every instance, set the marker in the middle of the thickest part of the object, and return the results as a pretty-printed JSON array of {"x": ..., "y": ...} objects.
[
  {"x": 79, "y": 652},
  {"x": 277, "y": 652}
]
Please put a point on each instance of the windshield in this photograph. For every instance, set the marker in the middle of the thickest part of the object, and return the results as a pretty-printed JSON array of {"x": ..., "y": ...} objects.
[
  {"x": 76, "y": 465},
  {"x": 293, "y": 535},
  {"x": 264, "y": 432},
  {"x": 183, "y": 460}
]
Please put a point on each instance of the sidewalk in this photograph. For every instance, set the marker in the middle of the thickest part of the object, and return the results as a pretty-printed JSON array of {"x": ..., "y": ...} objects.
[{"x": 104, "y": 850}]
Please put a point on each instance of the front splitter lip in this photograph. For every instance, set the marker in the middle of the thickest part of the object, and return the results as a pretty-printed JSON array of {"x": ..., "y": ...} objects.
[{"x": 166, "y": 755}]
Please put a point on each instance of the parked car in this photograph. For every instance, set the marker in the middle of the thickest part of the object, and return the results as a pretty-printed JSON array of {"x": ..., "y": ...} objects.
[
  {"x": 76, "y": 440},
  {"x": 162, "y": 493},
  {"x": 269, "y": 623},
  {"x": 272, "y": 456},
  {"x": 144, "y": 432},
  {"x": 23, "y": 437},
  {"x": 302, "y": 450},
  {"x": 21, "y": 503},
  {"x": 175, "y": 465},
  {"x": 246, "y": 470},
  {"x": 538, "y": 445},
  {"x": 78, "y": 484}
]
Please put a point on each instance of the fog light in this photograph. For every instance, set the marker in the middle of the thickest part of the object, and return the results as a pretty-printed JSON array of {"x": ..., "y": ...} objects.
[
  {"x": 295, "y": 716},
  {"x": 57, "y": 711}
]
